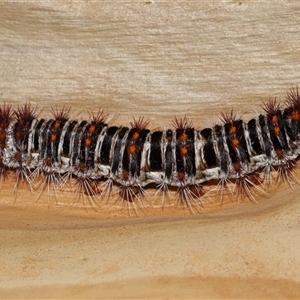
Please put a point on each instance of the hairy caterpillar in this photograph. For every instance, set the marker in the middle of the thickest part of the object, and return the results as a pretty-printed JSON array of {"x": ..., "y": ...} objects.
[{"x": 93, "y": 157}]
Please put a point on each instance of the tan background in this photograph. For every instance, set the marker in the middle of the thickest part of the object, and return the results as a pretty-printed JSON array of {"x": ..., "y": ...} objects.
[{"x": 156, "y": 59}]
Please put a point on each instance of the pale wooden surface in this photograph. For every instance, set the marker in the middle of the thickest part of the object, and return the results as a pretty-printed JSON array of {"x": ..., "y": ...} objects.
[{"x": 156, "y": 59}]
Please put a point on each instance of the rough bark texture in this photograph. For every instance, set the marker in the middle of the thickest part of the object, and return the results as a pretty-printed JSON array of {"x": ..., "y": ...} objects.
[{"x": 155, "y": 59}]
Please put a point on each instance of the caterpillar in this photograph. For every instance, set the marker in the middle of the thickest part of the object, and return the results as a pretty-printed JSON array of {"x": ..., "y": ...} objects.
[{"x": 93, "y": 157}]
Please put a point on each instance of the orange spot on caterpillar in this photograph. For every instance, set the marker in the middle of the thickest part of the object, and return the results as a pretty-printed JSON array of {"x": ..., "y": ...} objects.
[
  {"x": 125, "y": 174},
  {"x": 184, "y": 150},
  {"x": 88, "y": 142},
  {"x": 180, "y": 176},
  {"x": 91, "y": 129},
  {"x": 56, "y": 125},
  {"x": 132, "y": 149},
  {"x": 53, "y": 137},
  {"x": 232, "y": 130},
  {"x": 237, "y": 166},
  {"x": 274, "y": 119},
  {"x": 2, "y": 138},
  {"x": 295, "y": 115},
  {"x": 276, "y": 130},
  {"x": 235, "y": 142},
  {"x": 135, "y": 136},
  {"x": 279, "y": 153},
  {"x": 182, "y": 137},
  {"x": 81, "y": 166}
]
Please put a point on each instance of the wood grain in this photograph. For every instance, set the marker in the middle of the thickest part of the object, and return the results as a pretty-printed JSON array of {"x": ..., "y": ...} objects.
[{"x": 159, "y": 60}]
